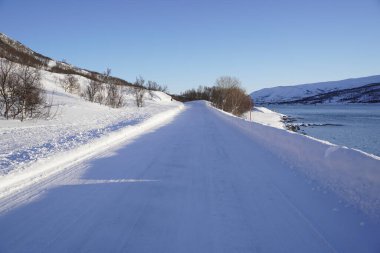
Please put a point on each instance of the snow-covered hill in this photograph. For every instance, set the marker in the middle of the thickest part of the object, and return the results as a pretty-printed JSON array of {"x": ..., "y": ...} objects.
[
  {"x": 15, "y": 51},
  {"x": 35, "y": 148},
  {"x": 74, "y": 127},
  {"x": 323, "y": 92}
]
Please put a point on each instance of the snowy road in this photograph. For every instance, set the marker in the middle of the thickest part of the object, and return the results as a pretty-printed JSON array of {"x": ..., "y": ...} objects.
[{"x": 194, "y": 185}]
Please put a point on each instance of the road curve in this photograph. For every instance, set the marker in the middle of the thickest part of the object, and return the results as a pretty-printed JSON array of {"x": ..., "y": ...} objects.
[{"x": 194, "y": 185}]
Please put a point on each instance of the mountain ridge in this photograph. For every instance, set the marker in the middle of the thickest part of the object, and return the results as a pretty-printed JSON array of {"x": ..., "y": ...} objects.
[
  {"x": 352, "y": 90},
  {"x": 16, "y": 51}
]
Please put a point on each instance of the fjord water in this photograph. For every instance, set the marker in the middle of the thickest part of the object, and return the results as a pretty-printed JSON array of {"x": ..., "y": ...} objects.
[{"x": 352, "y": 125}]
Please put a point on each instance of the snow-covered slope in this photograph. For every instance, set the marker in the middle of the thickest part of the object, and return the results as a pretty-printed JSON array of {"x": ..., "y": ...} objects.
[
  {"x": 352, "y": 174},
  {"x": 266, "y": 117},
  {"x": 75, "y": 126},
  {"x": 282, "y": 94},
  {"x": 74, "y": 123},
  {"x": 15, "y": 51}
]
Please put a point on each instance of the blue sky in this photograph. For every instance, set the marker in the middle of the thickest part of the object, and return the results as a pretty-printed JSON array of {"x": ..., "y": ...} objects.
[{"x": 183, "y": 43}]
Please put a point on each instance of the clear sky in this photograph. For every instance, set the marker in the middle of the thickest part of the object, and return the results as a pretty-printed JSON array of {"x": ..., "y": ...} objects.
[{"x": 186, "y": 43}]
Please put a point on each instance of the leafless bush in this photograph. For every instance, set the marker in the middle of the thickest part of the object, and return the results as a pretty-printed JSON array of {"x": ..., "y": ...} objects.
[
  {"x": 100, "y": 96},
  {"x": 106, "y": 75},
  {"x": 91, "y": 93},
  {"x": 201, "y": 93},
  {"x": 31, "y": 97},
  {"x": 115, "y": 96},
  {"x": 70, "y": 83},
  {"x": 8, "y": 86},
  {"x": 224, "y": 87},
  {"x": 139, "y": 91},
  {"x": 21, "y": 91},
  {"x": 154, "y": 86},
  {"x": 227, "y": 94},
  {"x": 113, "y": 92}
]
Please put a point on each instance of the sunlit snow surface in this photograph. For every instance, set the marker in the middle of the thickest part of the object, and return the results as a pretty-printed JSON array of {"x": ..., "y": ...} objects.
[
  {"x": 74, "y": 122},
  {"x": 202, "y": 182},
  {"x": 266, "y": 117}
]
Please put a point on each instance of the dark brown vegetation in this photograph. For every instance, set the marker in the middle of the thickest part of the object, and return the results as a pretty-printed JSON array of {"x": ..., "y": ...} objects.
[
  {"x": 70, "y": 84},
  {"x": 227, "y": 95},
  {"x": 104, "y": 92},
  {"x": 139, "y": 91},
  {"x": 21, "y": 94}
]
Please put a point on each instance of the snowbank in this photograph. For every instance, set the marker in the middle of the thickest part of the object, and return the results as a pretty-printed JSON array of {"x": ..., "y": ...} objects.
[
  {"x": 352, "y": 174},
  {"x": 45, "y": 167},
  {"x": 266, "y": 117}
]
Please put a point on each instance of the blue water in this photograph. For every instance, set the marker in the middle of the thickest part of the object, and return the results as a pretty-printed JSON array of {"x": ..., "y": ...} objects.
[{"x": 354, "y": 126}]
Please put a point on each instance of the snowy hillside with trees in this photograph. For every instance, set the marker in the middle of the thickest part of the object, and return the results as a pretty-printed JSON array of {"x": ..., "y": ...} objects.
[{"x": 69, "y": 118}]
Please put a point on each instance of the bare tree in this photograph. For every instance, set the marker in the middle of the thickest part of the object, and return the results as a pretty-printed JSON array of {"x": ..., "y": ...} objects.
[
  {"x": 8, "y": 86},
  {"x": 115, "y": 96},
  {"x": 92, "y": 90},
  {"x": 100, "y": 96},
  {"x": 154, "y": 86},
  {"x": 224, "y": 86},
  {"x": 30, "y": 95},
  {"x": 151, "y": 85},
  {"x": 238, "y": 101},
  {"x": 21, "y": 93},
  {"x": 70, "y": 83},
  {"x": 106, "y": 75},
  {"x": 227, "y": 94},
  {"x": 139, "y": 91}
]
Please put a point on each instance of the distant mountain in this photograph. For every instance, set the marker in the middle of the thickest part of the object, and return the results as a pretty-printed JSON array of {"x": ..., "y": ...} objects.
[
  {"x": 355, "y": 90},
  {"x": 17, "y": 52}
]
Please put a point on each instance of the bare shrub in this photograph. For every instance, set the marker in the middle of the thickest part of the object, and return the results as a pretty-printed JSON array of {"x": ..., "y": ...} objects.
[
  {"x": 21, "y": 91},
  {"x": 114, "y": 96},
  {"x": 100, "y": 96},
  {"x": 224, "y": 86},
  {"x": 227, "y": 94},
  {"x": 91, "y": 93},
  {"x": 8, "y": 86},
  {"x": 154, "y": 86},
  {"x": 106, "y": 75},
  {"x": 70, "y": 83},
  {"x": 30, "y": 93},
  {"x": 139, "y": 91}
]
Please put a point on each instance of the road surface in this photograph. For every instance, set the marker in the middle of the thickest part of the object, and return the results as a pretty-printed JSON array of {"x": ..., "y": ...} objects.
[{"x": 196, "y": 184}]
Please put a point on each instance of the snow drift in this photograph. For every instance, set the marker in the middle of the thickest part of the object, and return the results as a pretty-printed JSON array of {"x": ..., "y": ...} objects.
[
  {"x": 352, "y": 174},
  {"x": 266, "y": 117}
]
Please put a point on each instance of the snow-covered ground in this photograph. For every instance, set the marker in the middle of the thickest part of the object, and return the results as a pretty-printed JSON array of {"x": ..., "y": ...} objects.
[
  {"x": 74, "y": 124},
  {"x": 203, "y": 182},
  {"x": 266, "y": 117},
  {"x": 352, "y": 174}
]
